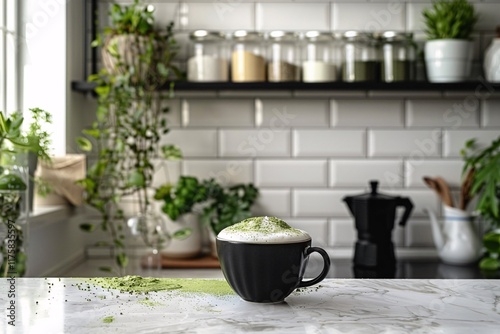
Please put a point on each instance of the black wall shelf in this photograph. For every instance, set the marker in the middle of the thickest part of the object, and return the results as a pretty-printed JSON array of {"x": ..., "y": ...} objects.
[{"x": 480, "y": 86}]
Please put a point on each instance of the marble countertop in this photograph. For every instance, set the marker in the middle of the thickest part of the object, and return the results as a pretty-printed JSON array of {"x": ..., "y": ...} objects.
[{"x": 73, "y": 305}]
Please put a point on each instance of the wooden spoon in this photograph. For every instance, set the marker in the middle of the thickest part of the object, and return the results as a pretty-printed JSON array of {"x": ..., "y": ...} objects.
[
  {"x": 444, "y": 189},
  {"x": 465, "y": 195}
]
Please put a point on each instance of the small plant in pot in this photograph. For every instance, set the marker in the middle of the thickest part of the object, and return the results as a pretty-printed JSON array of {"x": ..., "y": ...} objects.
[
  {"x": 448, "y": 51},
  {"x": 484, "y": 163},
  {"x": 14, "y": 144},
  {"x": 180, "y": 202},
  {"x": 218, "y": 206}
]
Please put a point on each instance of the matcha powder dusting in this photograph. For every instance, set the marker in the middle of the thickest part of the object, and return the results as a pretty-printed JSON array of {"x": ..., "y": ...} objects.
[
  {"x": 108, "y": 320},
  {"x": 263, "y": 230},
  {"x": 138, "y": 284}
]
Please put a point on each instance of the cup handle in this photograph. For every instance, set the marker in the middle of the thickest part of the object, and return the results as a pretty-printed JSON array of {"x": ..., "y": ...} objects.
[{"x": 324, "y": 272}]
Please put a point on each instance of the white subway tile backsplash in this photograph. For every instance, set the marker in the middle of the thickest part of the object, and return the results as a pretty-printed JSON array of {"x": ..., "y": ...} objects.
[
  {"x": 291, "y": 173},
  {"x": 488, "y": 16},
  {"x": 254, "y": 143},
  {"x": 416, "y": 169},
  {"x": 220, "y": 112},
  {"x": 224, "y": 171},
  {"x": 419, "y": 234},
  {"x": 454, "y": 140},
  {"x": 414, "y": 17},
  {"x": 273, "y": 202},
  {"x": 367, "y": 113},
  {"x": 166, "y": 171},
  {"x": 422, "y": 200},
  {"x": 316, "y": 228},
  {"x": 299, "y": 16},
  {"x": 369, "y": 16},
  {"x": 294, "y": 112},
  {"x": 446, "y": 113},
  {"x": 357, "y": 173},
  {"x": 233, "y": 15},
  {"x": 320, "y": 202},
  {"x": 174, "y": 112},
  {"x": 404, "y": 143},
  {"x": 328, "y": 143},
  {"x": 193, "y": 143},
  {"x": 490, "y": 113},
  {"x": 342, "y": 233}
]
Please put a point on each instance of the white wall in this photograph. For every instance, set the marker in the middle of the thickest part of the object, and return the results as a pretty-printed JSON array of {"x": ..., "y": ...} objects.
[{"x": 328, "y": 144}]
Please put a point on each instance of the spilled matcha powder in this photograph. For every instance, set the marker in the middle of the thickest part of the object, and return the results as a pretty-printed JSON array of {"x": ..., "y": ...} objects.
[
  {"x": 108, "y": 320},
  {"x": 139, "y": 285},
  {"x": 263, "y": 230}
]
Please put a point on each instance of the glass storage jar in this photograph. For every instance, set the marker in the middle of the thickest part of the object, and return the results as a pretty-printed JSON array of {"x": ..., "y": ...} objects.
[
  {"x": 398, "y": 57},
  {"x": 283, "y": 62},
  {"x": 361, "y": 60},
  {"x": 320, "y": 57},
  {"x": 208, "y": 57},
  {"x": 248, "y": 57}
]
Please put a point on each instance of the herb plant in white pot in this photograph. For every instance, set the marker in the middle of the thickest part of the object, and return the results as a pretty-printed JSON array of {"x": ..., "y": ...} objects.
[{"x": 448, "y": 51}]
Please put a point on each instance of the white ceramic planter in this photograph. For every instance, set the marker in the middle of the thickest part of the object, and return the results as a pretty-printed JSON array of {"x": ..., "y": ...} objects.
[
  {"x": 492, "y": 61},
  {"x": 448, "y": 60},
  {"x": 186, "y": 248}
]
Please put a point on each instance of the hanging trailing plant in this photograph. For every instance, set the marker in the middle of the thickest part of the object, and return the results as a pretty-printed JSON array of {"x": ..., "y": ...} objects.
[{"x": 130, "y": 118}]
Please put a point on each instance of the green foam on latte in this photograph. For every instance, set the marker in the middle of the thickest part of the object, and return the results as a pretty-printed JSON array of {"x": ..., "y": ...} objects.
[{"x": 263, "y": 230}]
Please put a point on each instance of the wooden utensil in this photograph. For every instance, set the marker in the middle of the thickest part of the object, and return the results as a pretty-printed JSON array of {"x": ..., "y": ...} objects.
[
  {"x": 465, "y": 195},
  {"x": 445, "y": 191},
  {"x": 441, "y": 189}
]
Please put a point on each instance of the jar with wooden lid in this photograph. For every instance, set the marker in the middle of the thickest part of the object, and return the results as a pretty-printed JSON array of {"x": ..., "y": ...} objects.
[
  {"x": 320, "y": 57},
  {"x": 399, "y": 54},
  {"x": 248, "y": 57},
  {"x": 208, "y": 57},
  {"x": 283, "y": 53},
  {"x": 361, "y": 58}
]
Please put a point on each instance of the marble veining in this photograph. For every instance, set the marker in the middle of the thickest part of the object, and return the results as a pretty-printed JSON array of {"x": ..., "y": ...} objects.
[{"x": 71, "y": 305}]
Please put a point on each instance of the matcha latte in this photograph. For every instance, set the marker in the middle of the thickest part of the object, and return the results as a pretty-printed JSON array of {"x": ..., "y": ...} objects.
[{"x": 263, "y": 230}]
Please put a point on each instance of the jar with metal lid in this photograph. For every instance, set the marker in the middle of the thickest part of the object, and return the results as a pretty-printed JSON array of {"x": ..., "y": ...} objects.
[
  {"x": 248, "y": 57},
  {"x": 283, "y": 52},
  {"x": 208, "y": 57},
  {"x": 320, "y": 57},
  {"x": 361, "y": 60},
  {"x": 398, "y": 56}
]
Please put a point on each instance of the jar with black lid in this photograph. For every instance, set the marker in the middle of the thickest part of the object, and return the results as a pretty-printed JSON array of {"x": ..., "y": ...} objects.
[
  {"x": 283, "y": 53},
  {"x": 361, "y": 59},
  {"x": 320, "y": 57},
  {"x": 398, "y": 56},
  {"x": 208, "y": 57},
  {"x": 248, "y": 57}
]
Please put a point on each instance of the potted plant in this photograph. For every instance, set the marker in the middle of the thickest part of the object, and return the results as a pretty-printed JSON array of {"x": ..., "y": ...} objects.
[
  {"x": 14, "y": 143},
  {"x": 227, "y": 206},
  {"x": 181, "y": 204},
  {"x": 130, "y": 119},
  {"x": 485, "y": 165},
  {"x": 448, "y": 51}
]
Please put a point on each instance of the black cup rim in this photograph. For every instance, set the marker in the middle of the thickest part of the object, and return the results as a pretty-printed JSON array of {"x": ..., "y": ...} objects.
[{"x": 264, "y": 243}]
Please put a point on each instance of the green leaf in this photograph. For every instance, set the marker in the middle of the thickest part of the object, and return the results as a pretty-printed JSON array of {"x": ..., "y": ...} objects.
[
  {"x": 489, "y": 264},
  {"x": 171, "y": 152},
  {"x": 182, "y": 233},
  {"x": 491, "y": 242},
  {"x": 92, "y": 132},
  {"x": 106, "y": 269},
  {"x": 87, "y": 227},
  {"x": 135, "y": 179},
  {"x": 122, "y": 260},
  {"x": 84, "y": 144}
]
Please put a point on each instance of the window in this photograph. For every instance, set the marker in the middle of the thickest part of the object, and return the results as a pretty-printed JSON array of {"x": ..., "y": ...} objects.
[{"x": 9, "y": 56}]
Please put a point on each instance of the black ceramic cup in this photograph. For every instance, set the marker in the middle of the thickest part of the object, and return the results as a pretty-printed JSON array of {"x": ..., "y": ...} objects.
[{"x": 267, "y": 272}]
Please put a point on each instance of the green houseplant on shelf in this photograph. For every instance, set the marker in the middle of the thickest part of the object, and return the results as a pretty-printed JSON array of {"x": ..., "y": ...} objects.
[
  {"x": 14, "y": 145},
  {"x": 448, "y": 50},
  {"x": 218, "y": 206},
  {"x": 484, "y": 163},
  {"x": 130, "y": 120}
]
